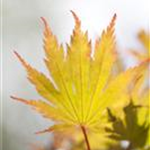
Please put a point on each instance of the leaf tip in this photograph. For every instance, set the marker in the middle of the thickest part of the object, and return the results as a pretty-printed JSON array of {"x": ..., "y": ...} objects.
[
  {"x": 19, "y": 99},
  {"x": 112, "y": 23},
  {"x": 43, "y": 131},
  {"x": 13, "y": 97},
  {"x": 21, "y": 59},
  {"x": 115, "y": 16},
  {"x": 44, "y": 21},
  {"x": 77, "y": 20}
]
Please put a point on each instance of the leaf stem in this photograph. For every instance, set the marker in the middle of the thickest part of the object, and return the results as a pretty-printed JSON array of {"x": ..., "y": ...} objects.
[{"x": 86, "y": 137}]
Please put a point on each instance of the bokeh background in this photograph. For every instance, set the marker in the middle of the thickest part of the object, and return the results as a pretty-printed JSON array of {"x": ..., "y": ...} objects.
[{"x": 22, "y": 31}]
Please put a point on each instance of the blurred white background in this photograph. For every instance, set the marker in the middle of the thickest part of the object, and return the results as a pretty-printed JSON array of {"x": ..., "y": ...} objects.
[{"x": 22, "y": 31}]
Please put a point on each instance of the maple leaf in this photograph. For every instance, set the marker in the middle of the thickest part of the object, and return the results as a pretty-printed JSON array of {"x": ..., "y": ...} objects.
[
  {"x": 81, "y": 92},
  {"x": 133, "y": 125},
  {"x": 129, "y": 129},
  {"x": 144, "y": 39}
]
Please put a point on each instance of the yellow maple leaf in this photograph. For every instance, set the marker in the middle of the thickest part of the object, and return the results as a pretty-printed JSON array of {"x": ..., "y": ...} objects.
[
  {"x": 143, "y": 37},
  {"x": 81, "y": 92},
  {"x": 132, "y": 124}
]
